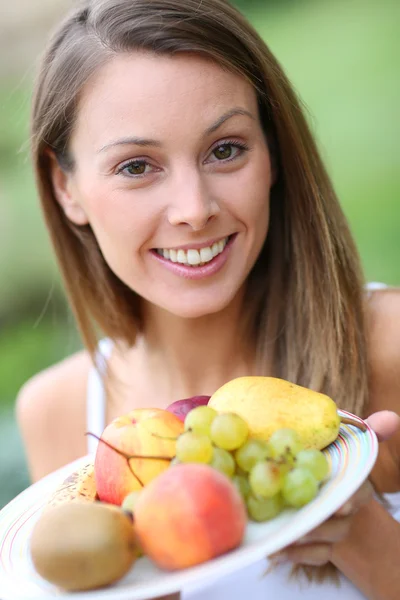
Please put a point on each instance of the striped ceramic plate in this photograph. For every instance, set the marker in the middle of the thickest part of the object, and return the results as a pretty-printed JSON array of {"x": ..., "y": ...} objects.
[{"x": 351, "y": 458}]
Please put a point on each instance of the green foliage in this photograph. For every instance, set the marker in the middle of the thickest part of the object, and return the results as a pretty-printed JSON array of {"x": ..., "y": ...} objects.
[
  {"x": 341, "y": 58},
  {"x": 13, "y": 471},
  {"x": 27, "y": 266},
  {"x": 27, "y": 347},
  {"x": 14, "y": 113}
]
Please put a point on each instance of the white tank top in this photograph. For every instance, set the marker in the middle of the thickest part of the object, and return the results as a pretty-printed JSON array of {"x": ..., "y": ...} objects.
[{"x": 248, "y": 583}]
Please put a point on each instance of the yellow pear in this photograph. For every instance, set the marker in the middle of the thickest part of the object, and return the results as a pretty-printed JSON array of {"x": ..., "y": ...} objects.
[{"x": 268, "y": 404}]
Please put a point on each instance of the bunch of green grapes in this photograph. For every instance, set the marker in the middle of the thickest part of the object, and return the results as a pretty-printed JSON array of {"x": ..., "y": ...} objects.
[{"x": 269, "y": 475}]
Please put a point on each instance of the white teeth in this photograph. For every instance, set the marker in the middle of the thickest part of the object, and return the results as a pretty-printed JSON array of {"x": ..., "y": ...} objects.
[
  {"x": 193, "y": 257},
  {"x": 215, "y": 249},
  {"x": 206, "y": 255},
  {"x": 181, "y": 257}
]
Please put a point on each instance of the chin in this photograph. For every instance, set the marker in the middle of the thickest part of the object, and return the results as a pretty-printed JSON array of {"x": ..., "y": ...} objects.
[{"x": 197, "y": 309}]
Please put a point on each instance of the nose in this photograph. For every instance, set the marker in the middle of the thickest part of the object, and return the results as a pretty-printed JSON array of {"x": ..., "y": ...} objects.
[{"x": 191, "y": 202}]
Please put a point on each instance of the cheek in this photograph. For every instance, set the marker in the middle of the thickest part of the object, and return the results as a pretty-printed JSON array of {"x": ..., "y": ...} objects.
[
  {"x": 117, "y": 216},
  {"x": 122, "y": 226},
  {"x": 249, "y": 193}
]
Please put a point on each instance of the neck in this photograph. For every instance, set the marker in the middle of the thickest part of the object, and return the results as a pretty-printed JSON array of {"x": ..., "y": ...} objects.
[{"x": 192, "y": 357}]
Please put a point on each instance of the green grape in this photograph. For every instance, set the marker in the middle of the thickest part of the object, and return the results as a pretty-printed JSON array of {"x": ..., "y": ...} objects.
[
  {"x": 285, "y": 444},
  {"x": 240, "y": 471},
  {"x": 223, "y": 461},
  {"x": 299, "y": 487},
  {"x": 265, "y": 479},
  {"x": 263, "y": 509},
  {"x": 285, "y": 464},
  {"x": 174, "y": 462},
  {"x": 229, "y": 431},
  {"x": 315, "y": 461},
  {"x": 199, "y": 419},
  {"x": 193, "y": 447},
  {"x": 242, "y": 485},
  {"x": 129, "y": 502},
  {"x": 252, "y": 452}
]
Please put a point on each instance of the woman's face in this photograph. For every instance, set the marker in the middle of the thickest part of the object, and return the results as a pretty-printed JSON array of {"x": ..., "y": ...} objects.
[{"x": 173, "y": 175}]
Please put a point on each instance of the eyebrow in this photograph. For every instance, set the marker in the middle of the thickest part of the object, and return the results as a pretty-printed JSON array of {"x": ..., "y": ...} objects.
[
  {"x": 145, "y": 142},
  {"x": 228, "y": 115}
]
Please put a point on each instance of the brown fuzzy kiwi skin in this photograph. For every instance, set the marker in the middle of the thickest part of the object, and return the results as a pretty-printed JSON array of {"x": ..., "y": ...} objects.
[{"x": 81, "y": 546}]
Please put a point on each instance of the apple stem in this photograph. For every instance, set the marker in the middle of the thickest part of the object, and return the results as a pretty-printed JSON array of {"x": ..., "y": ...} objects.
[
  {"x": 128, "y": 457},
  {"x": 120, "y": 452},
  {"x": 99, "y": 439}
]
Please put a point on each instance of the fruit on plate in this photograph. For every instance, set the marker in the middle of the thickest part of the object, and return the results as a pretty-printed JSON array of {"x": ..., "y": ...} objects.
[
  {"x": 188, "y": 515},
  {"x": 185, "y": 489},
  {"x": 79, "y": 486},
  {"x": 268, "y": 404},
  {"x": 148, "y": 435},
  {"x": 268, "y": 475},
  {"x": 180, "y": 408},
  {"x": 83, "y": 546},
  {"x": 200, "y": 420},
  {"x": 220, "y": 440}
]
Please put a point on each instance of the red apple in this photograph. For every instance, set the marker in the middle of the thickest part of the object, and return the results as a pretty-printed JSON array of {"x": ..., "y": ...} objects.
[
  {"x": 141, "y": 433},
  {"x": 180, "y": 408}
]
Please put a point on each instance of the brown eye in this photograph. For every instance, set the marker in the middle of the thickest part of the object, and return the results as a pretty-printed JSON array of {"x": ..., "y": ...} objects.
[
  {"x": 136, "y": 168},
  {"x": 223, "y": 152}
]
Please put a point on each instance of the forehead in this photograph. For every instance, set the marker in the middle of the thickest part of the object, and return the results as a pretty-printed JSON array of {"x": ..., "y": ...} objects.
[{"x": 155, "y": 94}]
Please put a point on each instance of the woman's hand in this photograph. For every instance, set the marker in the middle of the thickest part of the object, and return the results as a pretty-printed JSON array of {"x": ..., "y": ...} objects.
[{"x": 316, "y": 547}]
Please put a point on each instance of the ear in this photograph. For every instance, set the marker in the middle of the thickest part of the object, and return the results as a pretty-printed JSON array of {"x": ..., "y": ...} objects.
[{"x": 63, "y": 192}]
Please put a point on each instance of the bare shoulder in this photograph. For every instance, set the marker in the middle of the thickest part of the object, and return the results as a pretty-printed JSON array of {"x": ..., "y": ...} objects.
[
  {"x": 384, "y": 345},
  {"x": 51, "y": 413},
  {"x": 383, "y": 315},
  {"x": 383, "y": 318}
]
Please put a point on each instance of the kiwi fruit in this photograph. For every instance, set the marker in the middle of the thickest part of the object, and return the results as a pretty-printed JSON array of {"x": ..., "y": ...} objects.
[{"x": 83, "y": 546}]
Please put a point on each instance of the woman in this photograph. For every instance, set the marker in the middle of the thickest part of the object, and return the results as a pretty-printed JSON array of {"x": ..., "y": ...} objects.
[{"x": 197, "y": 230}]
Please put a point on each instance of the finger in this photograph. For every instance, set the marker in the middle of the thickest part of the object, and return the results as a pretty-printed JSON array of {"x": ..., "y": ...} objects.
[
  {"x": 333, "y": 530},
  {"x": 362, "y": 496},
  {"x": 385, "y": 423},
  {"x": 313, "y": 555}
]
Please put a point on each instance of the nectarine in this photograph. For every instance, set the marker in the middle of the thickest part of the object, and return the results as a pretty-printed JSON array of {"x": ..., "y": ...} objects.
[{"x": 188, "y": 515}]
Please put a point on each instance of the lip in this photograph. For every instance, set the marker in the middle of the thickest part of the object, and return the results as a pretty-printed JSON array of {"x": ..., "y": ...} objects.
[
  {"x": 197, "y": 273},
  {"x": 195, "y": 246}
]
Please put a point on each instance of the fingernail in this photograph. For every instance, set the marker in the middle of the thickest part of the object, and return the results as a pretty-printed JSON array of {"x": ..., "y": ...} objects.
[
  {"x": 278, "y": 559},
  {"x": 303, "y": 540},
  {"x": 345, "y": 510}
]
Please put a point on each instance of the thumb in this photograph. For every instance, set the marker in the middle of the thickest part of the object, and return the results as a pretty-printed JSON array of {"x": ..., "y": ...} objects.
[{"x": 384, "y": 423}]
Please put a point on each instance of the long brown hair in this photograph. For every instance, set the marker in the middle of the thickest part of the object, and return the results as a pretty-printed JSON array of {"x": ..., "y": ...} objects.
[{"x": 304, "y": 294}]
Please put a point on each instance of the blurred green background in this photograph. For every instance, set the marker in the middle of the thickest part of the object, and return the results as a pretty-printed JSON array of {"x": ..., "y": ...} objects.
[{"x": 342, "y": 57}]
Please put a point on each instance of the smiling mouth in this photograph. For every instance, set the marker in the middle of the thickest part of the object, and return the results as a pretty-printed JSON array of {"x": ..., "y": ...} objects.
[{"x": 193, "y": 257}]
